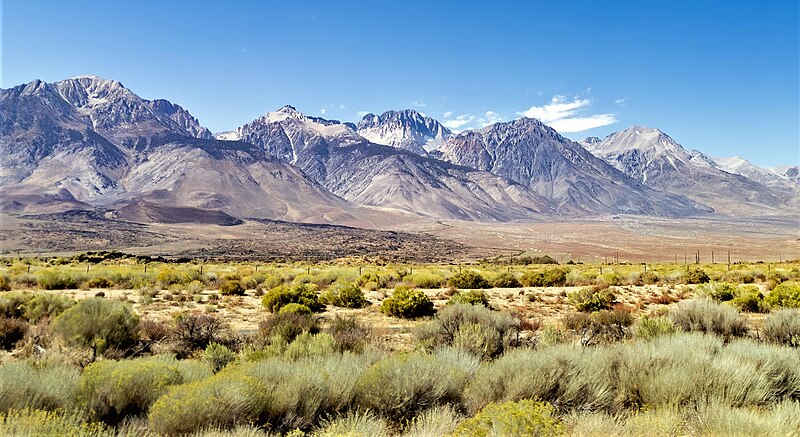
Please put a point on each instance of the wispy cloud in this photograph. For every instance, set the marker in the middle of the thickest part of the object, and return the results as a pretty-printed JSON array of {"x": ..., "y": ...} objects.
[
  {"x": 566, "y": 115},
  {"x": 322, "y": 111},
  {"x": 620, "y": 102},
  {"x": 418, "y": 104},
  {"x": 471, "y": 121}
]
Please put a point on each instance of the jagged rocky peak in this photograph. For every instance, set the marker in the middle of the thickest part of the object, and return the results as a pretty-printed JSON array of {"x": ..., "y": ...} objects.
[
  {"x": 405, "y": 129},
  {"x": 182, "y": 117},
  {"x": 638, "y": 137}
]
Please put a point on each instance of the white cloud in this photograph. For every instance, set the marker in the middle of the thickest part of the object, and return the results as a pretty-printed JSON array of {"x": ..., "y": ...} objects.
[
  {"x": 458, "y": 122},
  {"x": 490, "y": 117},
  {"x": 566, "y": 116},
  {"x": 447, "y": 114},
  {"x": 620, "y": 102},
  {"x": 362, "y": 113},
  {"x": 418, "y": 104},
  {"x": 323, "y": 111}
]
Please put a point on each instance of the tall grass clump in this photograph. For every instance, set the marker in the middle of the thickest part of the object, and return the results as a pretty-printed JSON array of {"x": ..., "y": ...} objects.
[
  {"x": 475, "y": 329},
  {"x": 59, "y": 280},
  {"x": 707, "y": 316},
  {"x": 648, "y": 328},
  {"x": 401, "y": 386},
  {"x": 47, "y": 386},
  {"x": 506, "y": 280},
  {"x": 99, "y": 324},
  {"x": 113, "y": 390},
  {"x": 783, "y": 327}
]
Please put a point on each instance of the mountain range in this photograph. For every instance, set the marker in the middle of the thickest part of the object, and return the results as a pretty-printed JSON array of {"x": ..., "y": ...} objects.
[{"x": 88, "y": 142}]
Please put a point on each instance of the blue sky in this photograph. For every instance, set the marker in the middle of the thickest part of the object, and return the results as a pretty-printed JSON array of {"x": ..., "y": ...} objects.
[{"x": 720, "y": 76}]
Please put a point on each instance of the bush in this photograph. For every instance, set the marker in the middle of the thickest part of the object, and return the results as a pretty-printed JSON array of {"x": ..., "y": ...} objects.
[
  {"x": 12, "y": 330},
  {"x": 46, "y": 306},
  {"x": 469, "y": 279},
  {"x": 231, "y": 288},
  {"x": 98, "y": 282},
  {"x": 785, "y": 295},
  {"x": 344, "y": 295},
  {"x": 547, "y": 278},
  {"x": 353, "y": 424},
  {"x": 591, "y": 299},
  {"x": 599, "y": 326},
  {"x": 783, "y": 327},
  {"x": 696, "y": 277},
  {"x": 719, "y": 291},
  {"x": 407, "y": 303},
  {"x": 195, "y": 331},
  {"x": 44, "y": 386},
  {"x": 295, "y": 308},
  {"x": 217, "y": 356},
  {"x": 505, "y": 280},
  {"x": 475, "y": 329},
  {"x": 221, "y": 401},
  {"x": 401, "y": 386},
  {"x": 425, "y": 280},
  {"x": 707, "y": 316},
  {"x": 58, "y": 280},
  {"x": 649, "y": 278},
  {"x": 99, "y": 324},
  {"x": 525, "y": 417},
  {"x": 13, "y": 304},
  {"x": 349, "y": 334},
  {"x": 32, "y": 422},
  {"x": 113, "y": 390},
  {"x": 4, "y": 285},
  {"x": 472, "y": 297},
  {"x": 281, "y": 295},
  {"x": 749, "y": 299},
  {"x": 287, "y": 326},
  {"x": 649, "y": 328}
]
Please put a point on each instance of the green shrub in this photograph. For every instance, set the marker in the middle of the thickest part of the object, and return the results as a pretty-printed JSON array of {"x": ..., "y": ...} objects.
[
  {"x": 785, "y": 295},
  {"x": 287, "y": 326},
  {"x": 13, "y": 304},
  {"x": 231, "y": 288},
  {"x": 707, "y": 316},
  {"x": 472, "y": 297},
  {"x": 98, "y": 282},
  {"x": 649, "y": 278},
  {"x": 303, "y": 294},
  {"x": 374, "y": 278},
  {"x": 591, "y": 299},
  {"x": 697, "y": 276},
  {"x": 222, "y": 401},
  {"x": 217, "y": 356},
  {"x": 58, "y": 280},
  {"x": 783, "y": 327},
  {"x": 308, "y": 345},
  {"x": 401, "y": 386},
  {"x": 296, "y": 308},
  {"x": 113, "y": 390},
  {"x": 31, "y": 422},
  {"x": 649, "y": 328},
  {"x": 469, "y": 279},
  {"x": 349, "y": 334},
  {"x": 425, "y": 280},
  {"x": 719, "y": 291},
  {"x": 46, "y": 306},
  {"x": 750, "y": 299},
  {"x": 42, "y": 386},
  {"x": 170, "y": 276},
  {"x": 4, "y": 284},
  {"x": 12, "y": 330},
  {"x": 99, "y": 324},
  {"x": 475, "y": 329},
  {"x": 505, "y": 280},
  {"x": 525, "y": 417},
  {"x": 344, "y": 295},
  {"x": 437, "y": 421},
  {"x": 547, "y": 278},
  {"x": 407, "y": 303}
]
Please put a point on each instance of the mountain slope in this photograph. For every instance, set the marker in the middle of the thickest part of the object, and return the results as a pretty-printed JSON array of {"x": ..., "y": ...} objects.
[
  {"x": 350, "y": 166},
  {"x": 90, "y": 141},
  {"x": 535, "y": 155},
  {"x": 406, "y": 129},
  {"x": 656, "y": 160}
]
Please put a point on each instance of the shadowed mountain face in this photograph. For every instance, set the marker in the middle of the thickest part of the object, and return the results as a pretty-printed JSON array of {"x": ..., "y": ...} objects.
[
  {"x": 656, "y": 160},
  {"x": 560, "y": 170},
  {"x": 91, "y": 140},
  {"x": 362, "y": 172},
  {"x": 406, "y": 129}
]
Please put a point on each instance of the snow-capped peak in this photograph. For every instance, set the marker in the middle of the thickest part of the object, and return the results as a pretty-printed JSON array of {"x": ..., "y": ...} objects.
[
  {"x": 404, "y": 129},
  {"x": 646, "y": 139}
]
